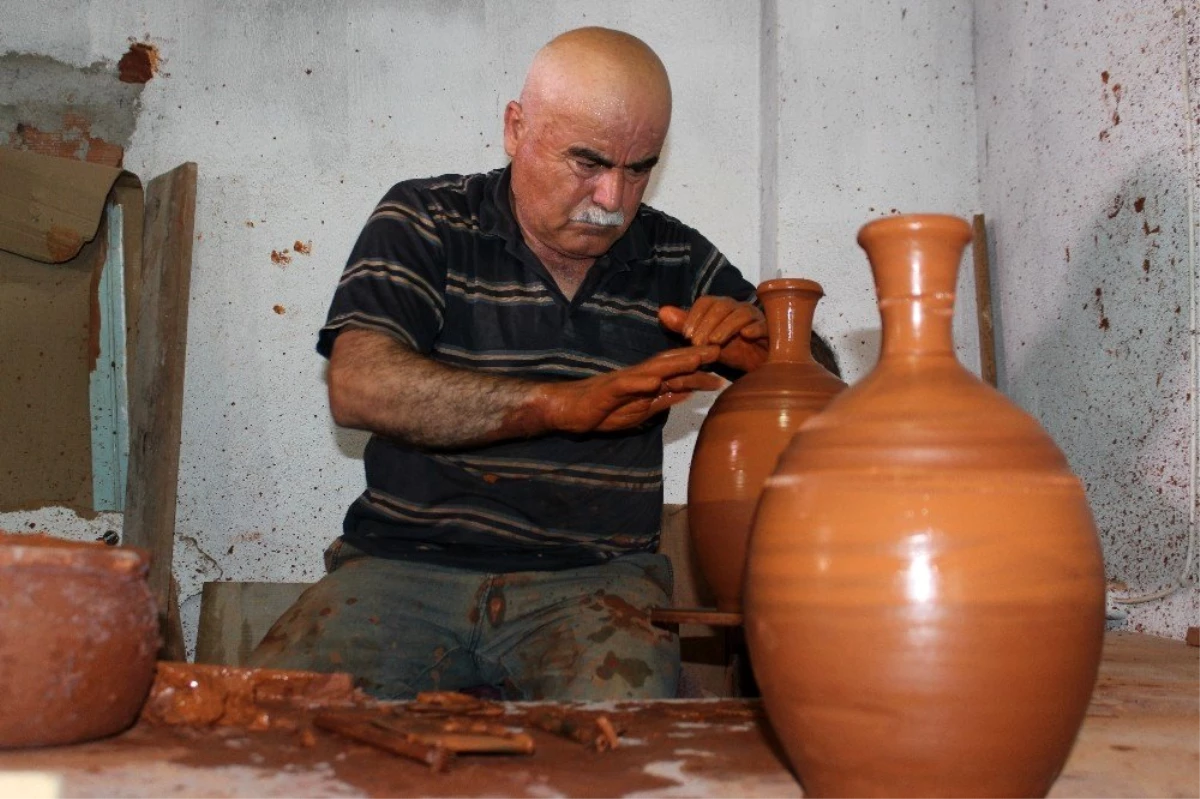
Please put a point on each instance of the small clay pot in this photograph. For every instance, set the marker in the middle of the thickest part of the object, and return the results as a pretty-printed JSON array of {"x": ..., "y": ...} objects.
[
  {"x": 78, "y": 640},
  {"x": 746, "y": 429}
]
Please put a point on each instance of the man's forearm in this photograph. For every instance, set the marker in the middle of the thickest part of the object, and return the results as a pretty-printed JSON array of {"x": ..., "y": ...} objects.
[{"x": 378, "y": 384}]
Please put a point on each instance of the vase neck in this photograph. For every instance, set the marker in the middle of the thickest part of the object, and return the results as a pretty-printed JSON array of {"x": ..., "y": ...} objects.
[
  {"x": 917, "y": 325},
  {"x": 789, "y": 305},
  {"x": 914, "y": 260}
]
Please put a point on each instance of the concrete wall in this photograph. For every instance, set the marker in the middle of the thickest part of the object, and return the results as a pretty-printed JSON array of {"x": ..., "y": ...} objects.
[
  {"x": 875, "y": 116},
  {"x": 1089, "y": 180},
  {"x": 866, "y": 109},
  {"x": 795, "y": 124}
]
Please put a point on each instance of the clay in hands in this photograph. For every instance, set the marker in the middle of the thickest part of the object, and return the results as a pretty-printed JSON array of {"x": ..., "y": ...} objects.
[
  {"x": 628, "y": 397},
  {"x": 738, "y": 328}
]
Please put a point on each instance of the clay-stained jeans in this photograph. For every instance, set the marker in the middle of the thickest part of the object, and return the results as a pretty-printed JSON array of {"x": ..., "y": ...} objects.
[{"x": 401, "y": 627}]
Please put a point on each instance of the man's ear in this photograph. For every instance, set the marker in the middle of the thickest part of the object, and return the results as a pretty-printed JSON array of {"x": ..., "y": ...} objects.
[{"x": 514, "y": 127}]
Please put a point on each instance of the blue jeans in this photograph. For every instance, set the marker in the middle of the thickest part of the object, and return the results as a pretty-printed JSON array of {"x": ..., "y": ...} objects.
[{"x": 401, "y": 627}]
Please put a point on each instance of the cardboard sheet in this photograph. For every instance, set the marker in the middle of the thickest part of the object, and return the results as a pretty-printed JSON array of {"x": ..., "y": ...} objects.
[{"x": 52, "y": 247}]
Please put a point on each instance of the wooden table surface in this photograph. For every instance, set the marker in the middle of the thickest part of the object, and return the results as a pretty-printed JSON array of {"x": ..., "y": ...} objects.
[{"x": 1141, "y": 738}]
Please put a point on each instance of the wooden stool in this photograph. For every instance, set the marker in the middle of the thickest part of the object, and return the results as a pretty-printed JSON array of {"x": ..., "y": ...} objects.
[{"x": 739, "y": 677}]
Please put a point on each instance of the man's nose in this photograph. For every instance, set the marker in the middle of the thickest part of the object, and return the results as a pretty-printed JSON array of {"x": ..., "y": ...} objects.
[{"x": 609, "y": 190}]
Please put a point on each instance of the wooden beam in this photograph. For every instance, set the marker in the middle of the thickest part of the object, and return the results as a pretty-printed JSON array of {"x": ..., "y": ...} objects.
[
  {"x": 156, "y": 384},
  {"x": 235, "y": 616},
  {"x": 983, "y": 301}
]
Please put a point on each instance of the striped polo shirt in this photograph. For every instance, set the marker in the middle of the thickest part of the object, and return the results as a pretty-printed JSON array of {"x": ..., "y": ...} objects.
[{"x": 441, "y": 266}]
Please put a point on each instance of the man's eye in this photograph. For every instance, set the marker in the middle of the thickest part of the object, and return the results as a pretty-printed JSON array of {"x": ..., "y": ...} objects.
[{"x": 586, "y": 165}]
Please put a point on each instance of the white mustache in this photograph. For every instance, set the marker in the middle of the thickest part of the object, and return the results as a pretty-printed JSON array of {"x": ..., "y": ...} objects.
[{"x": 595, "y": 215}]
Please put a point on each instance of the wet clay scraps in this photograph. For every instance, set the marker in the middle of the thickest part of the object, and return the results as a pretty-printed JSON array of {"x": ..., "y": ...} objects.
[
  {"x": 433, "y": 729},
  {"x": 199, "y": 695}
]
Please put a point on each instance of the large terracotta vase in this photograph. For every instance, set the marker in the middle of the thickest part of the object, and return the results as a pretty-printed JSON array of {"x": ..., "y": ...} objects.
[
  {"x": 925, "y": 590},
  {"x": 78, "y": 639},
  {"x": 745, "y": 431}
]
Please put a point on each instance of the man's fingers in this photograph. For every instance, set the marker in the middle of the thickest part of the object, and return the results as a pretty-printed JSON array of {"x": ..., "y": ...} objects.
[
  {"x": 678, "y": 361},
  {"x": 755, "y": 331},
  {"x": 699, "y": 381},
  {"x": 629, "y": 396},
  {"x": 623, "y": 385},
  {"x": 704, "y": 315},
  {"x": 737, "y": 323},
  {"x": 715, "y": 320},
  {"x": 672, "y": 318},
  {"x": 664, "y": 401}
]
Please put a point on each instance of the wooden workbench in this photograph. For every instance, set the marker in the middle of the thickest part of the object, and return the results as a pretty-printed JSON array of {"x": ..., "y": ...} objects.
[{"x": 1141, "y": 738}]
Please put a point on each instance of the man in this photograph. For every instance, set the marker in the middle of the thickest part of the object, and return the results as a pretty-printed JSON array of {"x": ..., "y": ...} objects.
[{"x": 513, "y": 340}]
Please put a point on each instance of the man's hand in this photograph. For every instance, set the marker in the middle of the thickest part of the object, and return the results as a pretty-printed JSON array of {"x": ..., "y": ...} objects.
[
  {"x": 627, "y": 397},
  {"x": 738, "y": 328}
]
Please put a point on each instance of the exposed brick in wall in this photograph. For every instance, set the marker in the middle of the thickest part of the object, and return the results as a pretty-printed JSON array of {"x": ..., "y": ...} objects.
[
  {"x": 86, "y": 113},
  {"x": 72, "y": 140}
]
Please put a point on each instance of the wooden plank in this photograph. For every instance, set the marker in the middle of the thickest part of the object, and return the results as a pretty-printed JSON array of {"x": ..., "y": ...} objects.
[
  {"x": 235, "y": 616},
  {"x": 436, "y": 757},
  {"x": 983, "y": 301},
  {"x": 156, "y": 381},
  {"x": 709, "y": 616}
]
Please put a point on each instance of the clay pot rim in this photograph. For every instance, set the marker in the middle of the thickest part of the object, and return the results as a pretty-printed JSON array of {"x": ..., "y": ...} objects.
[
  {"x": 953, "y": 227},
  {"x": 38, "y": 549},
  {"x": 789, "y": 284}
]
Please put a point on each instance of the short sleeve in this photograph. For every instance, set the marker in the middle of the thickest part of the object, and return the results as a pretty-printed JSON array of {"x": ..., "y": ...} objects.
[
  {"x": 394, "y": 280},
  {"x": 716, "y": 275}
]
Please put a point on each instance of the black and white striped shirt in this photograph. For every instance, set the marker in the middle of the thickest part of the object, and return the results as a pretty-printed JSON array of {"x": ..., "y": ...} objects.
[{"x": 441, "y": 265}]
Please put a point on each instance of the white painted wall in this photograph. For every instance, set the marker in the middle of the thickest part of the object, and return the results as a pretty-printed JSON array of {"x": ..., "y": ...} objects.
[
  {"x": 1089, "y": 182},
  {"x": 300, "y": 115},
  {"x": 866, "y": 109},
  {"x": 875, "y": 115}
]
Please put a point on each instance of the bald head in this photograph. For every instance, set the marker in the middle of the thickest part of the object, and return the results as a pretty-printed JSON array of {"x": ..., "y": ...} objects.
[{"x": 599, "y": 72}]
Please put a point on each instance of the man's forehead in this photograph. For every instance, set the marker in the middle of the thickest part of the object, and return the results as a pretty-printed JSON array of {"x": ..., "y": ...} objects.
[{"x": 614, "y": 136}]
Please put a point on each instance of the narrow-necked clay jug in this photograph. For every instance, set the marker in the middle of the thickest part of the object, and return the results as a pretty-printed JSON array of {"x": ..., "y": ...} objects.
[
  {"x": 925, "y": 590},
  {"x": 746, "y": 429}
]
